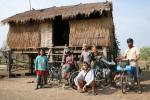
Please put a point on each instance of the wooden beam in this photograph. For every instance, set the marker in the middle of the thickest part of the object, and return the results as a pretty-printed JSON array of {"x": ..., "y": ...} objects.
[
  {"x": 9, "y": 63},
  {"x": 31, "y": 64}
]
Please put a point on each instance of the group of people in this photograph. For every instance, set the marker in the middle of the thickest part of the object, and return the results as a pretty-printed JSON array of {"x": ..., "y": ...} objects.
[{"x": 86, "y": 76}]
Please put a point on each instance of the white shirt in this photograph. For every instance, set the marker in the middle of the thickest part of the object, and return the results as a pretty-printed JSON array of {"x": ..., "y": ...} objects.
[
  {"x": 86, "y": 56},
  {"x": 89, "y": 78},
  {"x": 132, "y": 53}
]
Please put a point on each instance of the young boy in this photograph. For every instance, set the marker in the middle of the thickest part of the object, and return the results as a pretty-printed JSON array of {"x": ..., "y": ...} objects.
[
  {"x": 85, "y": 78},
  {"x": 85, "y": 55}
]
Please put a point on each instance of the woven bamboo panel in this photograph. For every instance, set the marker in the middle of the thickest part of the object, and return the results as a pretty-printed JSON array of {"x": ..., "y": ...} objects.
[
  {"x": 23, "y": 36},
  {"x": 92, "y": 32},
  {"x": 46, "y": 34}
]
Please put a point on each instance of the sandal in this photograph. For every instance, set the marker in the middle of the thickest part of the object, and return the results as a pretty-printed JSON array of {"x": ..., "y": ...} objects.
[{"x": 140, "y": 91}]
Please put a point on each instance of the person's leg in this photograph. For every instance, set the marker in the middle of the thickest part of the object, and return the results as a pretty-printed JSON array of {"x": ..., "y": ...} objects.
[
  {"x": 63, "y": 71},
  {"x": 38, "y": 81},
  {"x": 135, "y": 72},
  {"x": 93, "y": 84},
  {"x": 138, "y": 80},
  {"x": 80, "y": 85},
  {"x": 42, "y": 81},
  {"x": 45, "y": 78}
]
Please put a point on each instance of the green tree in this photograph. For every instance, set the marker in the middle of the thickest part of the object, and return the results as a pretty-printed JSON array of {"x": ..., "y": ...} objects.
[{"x": 145, "y": 53}]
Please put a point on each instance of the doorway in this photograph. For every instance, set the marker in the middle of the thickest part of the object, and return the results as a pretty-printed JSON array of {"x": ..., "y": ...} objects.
[{"x": 61, "y": 31}]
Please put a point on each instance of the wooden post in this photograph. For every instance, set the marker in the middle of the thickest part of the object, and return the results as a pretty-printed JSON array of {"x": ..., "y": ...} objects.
[
  {"x": 9, "y": 63},
  {"x": 31, "y": 64},
  {"x": 50, "y": 54}
]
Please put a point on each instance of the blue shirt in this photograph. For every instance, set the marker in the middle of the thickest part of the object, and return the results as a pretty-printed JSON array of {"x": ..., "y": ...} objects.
[{"x": 41, "y": 63}]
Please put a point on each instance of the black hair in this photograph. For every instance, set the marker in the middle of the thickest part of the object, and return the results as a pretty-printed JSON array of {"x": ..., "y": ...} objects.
[
  {"x": 94, "y": 46},
  {"x": 43, "y": 51},
  {"x": 85, "y": 63},
  {"x": 130, "y": 40}
]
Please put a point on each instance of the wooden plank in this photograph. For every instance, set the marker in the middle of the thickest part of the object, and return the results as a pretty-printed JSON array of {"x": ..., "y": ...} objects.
[
  {"x": 9, "y": 63},
  {"x": 55, "y": 54},
  {"x": 57, "y": 47},
  {"x": 55, "y": 61}
]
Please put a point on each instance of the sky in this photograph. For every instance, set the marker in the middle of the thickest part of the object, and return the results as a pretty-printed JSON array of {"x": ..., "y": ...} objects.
[{"x": 131, "y": 17}]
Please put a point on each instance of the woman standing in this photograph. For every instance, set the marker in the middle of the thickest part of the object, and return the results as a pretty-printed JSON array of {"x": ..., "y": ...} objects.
[
  {"x": 69, "y": 64},
  {"x": 41, "y": 68}
]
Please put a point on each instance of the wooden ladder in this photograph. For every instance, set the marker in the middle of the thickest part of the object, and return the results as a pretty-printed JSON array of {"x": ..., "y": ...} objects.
[{"x": 55, "y": 53}]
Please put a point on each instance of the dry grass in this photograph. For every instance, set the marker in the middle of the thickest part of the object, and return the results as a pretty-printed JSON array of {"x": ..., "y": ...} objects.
[{"x": 64, "y": 11}]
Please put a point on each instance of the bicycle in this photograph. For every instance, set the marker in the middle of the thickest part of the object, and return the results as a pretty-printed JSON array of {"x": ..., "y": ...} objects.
[{"x": 125, "y": 78}]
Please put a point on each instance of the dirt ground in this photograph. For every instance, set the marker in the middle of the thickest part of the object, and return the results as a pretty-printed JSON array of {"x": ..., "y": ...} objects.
[{"x": 22, "y": 88}]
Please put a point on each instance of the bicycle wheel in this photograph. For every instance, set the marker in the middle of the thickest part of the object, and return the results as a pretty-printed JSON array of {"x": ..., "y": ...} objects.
[
  {"x": 71, "y": 80},
  {"x": 123, "y": 84},
  {"x": 59, "y": 77},
  {"x": 103, "y": 82}
]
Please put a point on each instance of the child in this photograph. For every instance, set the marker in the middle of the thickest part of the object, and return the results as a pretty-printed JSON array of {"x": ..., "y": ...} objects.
[
  {"x": 85, "y": 78},
  {"x": 85, "y": 55},
  {"x": 41, "y": 68}
]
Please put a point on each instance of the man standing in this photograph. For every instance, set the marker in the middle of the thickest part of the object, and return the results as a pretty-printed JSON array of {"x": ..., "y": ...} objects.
[{"x": 132, "y": 54}]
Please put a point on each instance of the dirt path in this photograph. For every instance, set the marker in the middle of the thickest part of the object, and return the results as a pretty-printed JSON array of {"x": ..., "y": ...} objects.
[{"x": 20, "y": 89}]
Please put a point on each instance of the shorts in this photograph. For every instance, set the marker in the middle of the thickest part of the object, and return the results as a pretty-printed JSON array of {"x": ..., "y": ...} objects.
[{"x": 136, "y": 72}]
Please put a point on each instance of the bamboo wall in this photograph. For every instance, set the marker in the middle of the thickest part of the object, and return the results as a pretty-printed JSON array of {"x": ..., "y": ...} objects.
[
  {"x": 23, "y": 36},
  {"x": 46, "y": 34},
  {"x": 92, "y": 32}
]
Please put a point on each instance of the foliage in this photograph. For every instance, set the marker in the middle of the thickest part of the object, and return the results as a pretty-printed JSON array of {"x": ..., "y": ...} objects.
[
  {"x": 145, "y": 53},
  {"x": 115, "y": 50},
  {"x": 3, "y": 50}
]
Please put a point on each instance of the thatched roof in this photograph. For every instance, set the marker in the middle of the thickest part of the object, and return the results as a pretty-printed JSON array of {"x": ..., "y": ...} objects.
[{"x": 64, "y": 11}]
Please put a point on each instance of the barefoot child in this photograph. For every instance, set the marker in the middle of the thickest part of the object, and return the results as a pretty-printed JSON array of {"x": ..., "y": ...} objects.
[
  {"x": 85, "y": 78},
  {"x": 85, "y": 55},
  {"x": 41, "y": 67}
]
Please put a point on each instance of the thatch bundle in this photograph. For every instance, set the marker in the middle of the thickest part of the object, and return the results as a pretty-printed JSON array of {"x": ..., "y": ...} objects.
[
  {"x": 23, "y": 36},
  {"x": 67, "y": 12},
  {"x": 91, "y": 32},
  {"x": 34, "y": 28}
]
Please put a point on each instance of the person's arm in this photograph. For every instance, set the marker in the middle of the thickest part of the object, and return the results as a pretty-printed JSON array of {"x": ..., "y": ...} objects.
[
  {"x": 122, "y": 57},
  {"x": 64, "y": 59},
  {"x": 36, "y": 63},
  {"x": 78, "y": 77},
  {"x": 91, "y": 73},
  {"x": 137, "y": 54},
  {"x": 105, "y": 61},
  {"x": 47, "y": 65},
  {"x": 92, "y": 56},
  {"x": 72, "y": 59},
  {"x": 81, "y": 57}
]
